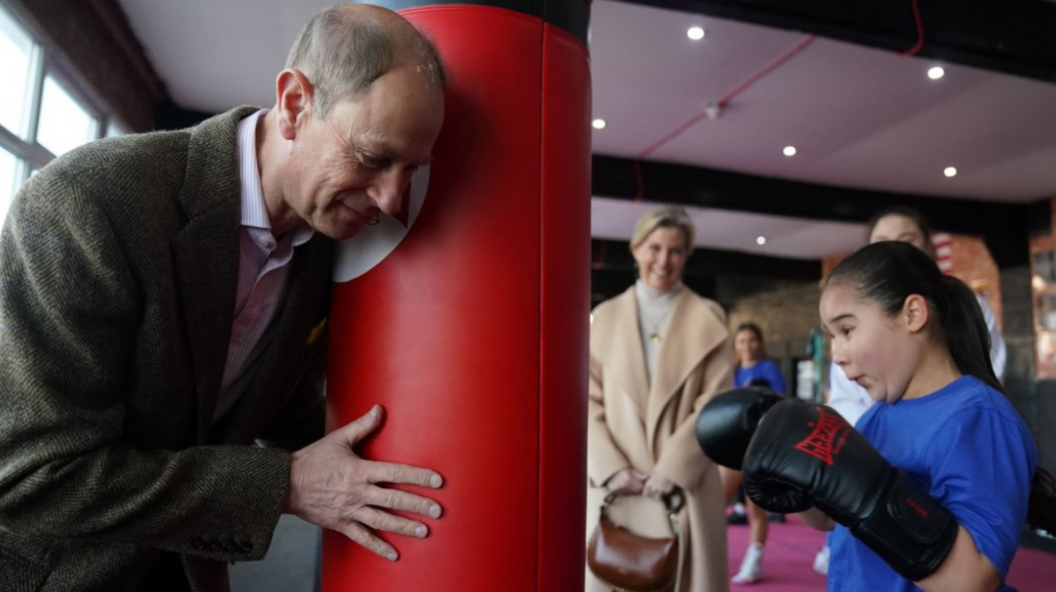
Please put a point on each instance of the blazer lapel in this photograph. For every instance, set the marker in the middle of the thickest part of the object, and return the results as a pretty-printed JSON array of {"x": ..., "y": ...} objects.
[
  {"x": 207, "y": 254},
  {"x": 207, "y": 264}
]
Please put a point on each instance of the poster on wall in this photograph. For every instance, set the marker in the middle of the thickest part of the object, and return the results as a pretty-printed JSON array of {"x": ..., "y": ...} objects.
[{"x": 1043, "y": 291}]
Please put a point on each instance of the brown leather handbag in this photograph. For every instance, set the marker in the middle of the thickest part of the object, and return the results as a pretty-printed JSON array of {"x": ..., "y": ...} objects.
[{"x": 631, "y": 562}]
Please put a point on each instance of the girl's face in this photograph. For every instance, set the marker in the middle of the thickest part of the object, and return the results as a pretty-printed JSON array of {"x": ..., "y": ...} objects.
[
  {"x": 875, "y": 350},
  {"x": 747, "y": 346},
  {"x": 661, "y": 257},
  {"x": 896, "y": 227}
]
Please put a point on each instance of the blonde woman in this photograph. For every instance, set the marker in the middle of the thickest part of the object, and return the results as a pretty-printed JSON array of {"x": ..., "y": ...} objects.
[{"x": 658, "y": 353}]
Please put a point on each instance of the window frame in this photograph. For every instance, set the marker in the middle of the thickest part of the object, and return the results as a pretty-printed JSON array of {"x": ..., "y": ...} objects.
[{"x": 31, "y": 155}]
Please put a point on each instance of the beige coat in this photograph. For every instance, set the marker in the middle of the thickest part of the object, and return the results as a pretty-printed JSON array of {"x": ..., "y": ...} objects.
[{"x": 652, "y": 427}]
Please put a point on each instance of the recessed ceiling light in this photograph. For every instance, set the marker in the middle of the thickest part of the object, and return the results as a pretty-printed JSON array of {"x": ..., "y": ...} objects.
[
  {"x": 789, "y": 151},
  {"x": 695, "y": 33},
  {"x": 760, "y": 240},
  {"x": 950, "y": 171},
  {"x": 936, "y": 72},
  {"x": 598, "y": 124}
]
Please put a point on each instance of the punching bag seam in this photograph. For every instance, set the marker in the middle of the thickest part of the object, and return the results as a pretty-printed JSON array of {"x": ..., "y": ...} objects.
[{"x": 542, "y": 358}]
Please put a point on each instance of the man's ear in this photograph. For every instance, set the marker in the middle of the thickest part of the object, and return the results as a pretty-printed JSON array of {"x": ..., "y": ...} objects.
[
  {"x": 294, "y": 101},
  {"x": 916, "y": 313}
]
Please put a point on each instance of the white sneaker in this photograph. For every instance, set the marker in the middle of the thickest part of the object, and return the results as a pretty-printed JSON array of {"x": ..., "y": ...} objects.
[
  {"x": 821, "y": 561},
  {"x": 751, "y": 567}
]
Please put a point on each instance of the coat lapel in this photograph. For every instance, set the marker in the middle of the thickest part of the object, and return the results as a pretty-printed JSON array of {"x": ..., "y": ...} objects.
[
  {"x": 628, "y": 360},
  {"x": 207, "y": 253},
  {"x": 694, "y": 331}
]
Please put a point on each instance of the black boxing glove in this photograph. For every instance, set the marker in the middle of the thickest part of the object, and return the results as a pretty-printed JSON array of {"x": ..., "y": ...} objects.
[
  {"x": 805, "y": 455},
  {"x": 726, "y": 424}
]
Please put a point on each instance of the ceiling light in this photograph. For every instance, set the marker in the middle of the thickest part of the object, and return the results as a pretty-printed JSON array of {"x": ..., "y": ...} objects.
[
  {"x": 936, "y": 73},
  {"x": 695, "y": 33},
  {"x": 950, "y": 171},
  {"x": 760, "y": 240},
  {"x": 599, "y": 124},
  {"x": 789, "y": 151}
]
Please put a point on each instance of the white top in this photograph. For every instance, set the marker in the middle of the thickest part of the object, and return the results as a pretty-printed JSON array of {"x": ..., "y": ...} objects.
[{"x": 654, "y": 312}]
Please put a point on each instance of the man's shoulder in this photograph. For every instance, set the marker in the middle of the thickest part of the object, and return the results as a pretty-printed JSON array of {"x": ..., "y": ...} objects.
[
  {"x": 147, "y": 155},
  {"x": 139, "y": 166}
]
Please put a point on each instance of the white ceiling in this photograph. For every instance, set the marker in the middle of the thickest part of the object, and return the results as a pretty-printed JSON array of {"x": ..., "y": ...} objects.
[{"x": 859, "y": 117}]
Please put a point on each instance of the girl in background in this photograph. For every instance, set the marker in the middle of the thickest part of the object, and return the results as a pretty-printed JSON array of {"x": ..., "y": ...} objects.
[{"x": 754, "y": 368}]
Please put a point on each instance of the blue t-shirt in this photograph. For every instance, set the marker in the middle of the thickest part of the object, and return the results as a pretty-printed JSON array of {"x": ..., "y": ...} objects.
[
  {"x": 971, "y": 451},
  {"x": 763, "y": 369}
]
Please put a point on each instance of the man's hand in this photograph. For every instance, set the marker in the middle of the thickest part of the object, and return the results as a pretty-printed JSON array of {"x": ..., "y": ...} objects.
[{"x": 332, "y": 487}]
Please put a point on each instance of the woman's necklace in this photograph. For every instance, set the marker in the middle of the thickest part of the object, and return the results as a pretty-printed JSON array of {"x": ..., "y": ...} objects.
[
  {"x": 654, "y": 324},
  {"x": 653, "y": 309}
]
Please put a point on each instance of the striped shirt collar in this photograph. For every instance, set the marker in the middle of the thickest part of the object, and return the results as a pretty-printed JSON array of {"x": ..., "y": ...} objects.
[{"x": 254, "y": 210}]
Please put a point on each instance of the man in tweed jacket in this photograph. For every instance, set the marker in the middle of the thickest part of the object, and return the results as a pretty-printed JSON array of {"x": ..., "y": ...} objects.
[{"x": 126, "y": 456}]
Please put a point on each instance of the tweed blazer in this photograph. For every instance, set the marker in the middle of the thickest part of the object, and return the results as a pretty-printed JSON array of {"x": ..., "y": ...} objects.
[{"x": 118, "y": 273}]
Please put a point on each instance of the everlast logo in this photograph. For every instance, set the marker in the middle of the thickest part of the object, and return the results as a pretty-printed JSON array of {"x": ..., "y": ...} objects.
[{"x": 823, "y": 443}]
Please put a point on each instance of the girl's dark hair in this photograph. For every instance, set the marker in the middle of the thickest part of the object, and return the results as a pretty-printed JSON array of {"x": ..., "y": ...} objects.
[
  {"x": 750, "y": 327},
  {"x": 906, "y": 212},
  {"x": 887, "y": 273},
  {"x": 758, "y": 335}
]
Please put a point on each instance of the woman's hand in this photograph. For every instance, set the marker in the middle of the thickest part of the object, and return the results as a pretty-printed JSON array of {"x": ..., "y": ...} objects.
[
  {"x": 626, "y": 481},
  {"x": 657, "y": 486}
]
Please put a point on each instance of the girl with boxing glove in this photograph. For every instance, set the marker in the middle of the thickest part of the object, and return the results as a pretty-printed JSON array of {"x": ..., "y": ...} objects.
[{"x": 932, "y": 490}]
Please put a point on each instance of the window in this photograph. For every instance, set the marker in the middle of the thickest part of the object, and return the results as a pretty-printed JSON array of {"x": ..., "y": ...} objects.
[
  {"x": 9, "y": 166},
  {"x": 42, "y": 116},
  {"x": 64, "y": 123}
]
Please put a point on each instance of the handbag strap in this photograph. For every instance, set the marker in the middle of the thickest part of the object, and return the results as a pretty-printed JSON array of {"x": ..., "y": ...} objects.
[{"x": 673, "y": 503}]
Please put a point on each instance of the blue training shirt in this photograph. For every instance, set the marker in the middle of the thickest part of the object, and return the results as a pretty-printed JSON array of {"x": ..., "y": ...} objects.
[
  {"x": 971, "y": 451},
  {"x": 767, "y": 370}
]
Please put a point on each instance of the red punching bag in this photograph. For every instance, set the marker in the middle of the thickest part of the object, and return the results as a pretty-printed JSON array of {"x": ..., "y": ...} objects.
[{"x": 468, "y": 318}]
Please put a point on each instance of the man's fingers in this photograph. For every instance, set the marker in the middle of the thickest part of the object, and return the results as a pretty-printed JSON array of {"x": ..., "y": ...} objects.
[
  {"x": 352, "y": 432},
  {"x": 381, "y": 497},
  {"x": 360, "y": 535},
  {"x": 383, "y": 472},
  {"x": 376, "y": 519}
]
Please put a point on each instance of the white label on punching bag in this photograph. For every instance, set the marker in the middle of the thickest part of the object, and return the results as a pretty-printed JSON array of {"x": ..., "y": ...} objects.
[{"x": 376, "y": 240}]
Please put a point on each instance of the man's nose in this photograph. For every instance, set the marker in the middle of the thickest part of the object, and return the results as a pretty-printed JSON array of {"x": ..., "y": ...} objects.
[{"x": 388, "y": 190}]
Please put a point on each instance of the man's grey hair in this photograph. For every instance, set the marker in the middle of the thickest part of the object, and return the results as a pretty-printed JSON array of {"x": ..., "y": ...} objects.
[{"x": 342, "y": 54}]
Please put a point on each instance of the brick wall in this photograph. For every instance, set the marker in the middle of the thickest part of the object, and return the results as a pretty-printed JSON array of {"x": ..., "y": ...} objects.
[{"x": 785, "y": 311}]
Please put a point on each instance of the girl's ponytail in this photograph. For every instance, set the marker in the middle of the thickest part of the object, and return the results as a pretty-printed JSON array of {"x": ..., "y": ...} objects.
[{"x": 967, "y": 336}]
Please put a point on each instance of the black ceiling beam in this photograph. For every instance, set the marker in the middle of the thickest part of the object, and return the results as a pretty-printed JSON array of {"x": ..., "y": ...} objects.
[
  {"x": 1012, "y": 36},
  {"x": 615, "y": 177},
  {"x": 1006, "y": 227}
]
